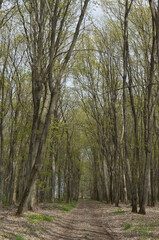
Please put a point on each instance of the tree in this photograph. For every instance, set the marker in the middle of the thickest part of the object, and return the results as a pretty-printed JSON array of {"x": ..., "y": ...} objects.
[
  {"x": 151, "y": 105},
  {"x": 44, "y": 77}
]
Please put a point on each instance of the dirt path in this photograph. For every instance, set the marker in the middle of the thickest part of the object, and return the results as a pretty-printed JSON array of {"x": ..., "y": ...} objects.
[
  {"x": 86, "y": 221},
  {"x": 90, "y": 220}
]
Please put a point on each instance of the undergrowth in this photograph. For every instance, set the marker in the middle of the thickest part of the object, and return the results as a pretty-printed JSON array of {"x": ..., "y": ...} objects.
[
  {"x": 127, "y": 226},
  {"x": 19, "y": 238},
  {"x": 118, "y": 211},
  {"x": 39, "y": 217},
  {"x": 65, "y": 206}
]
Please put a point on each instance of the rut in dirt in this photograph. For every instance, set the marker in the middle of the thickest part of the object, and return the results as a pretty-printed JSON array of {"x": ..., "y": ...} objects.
[{"x": 86, "y": 221}]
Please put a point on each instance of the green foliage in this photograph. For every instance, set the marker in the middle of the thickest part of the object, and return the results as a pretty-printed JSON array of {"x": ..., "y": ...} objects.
[
  {"x": 127, "y": 226},
  {"x": 153, "y": 224},
  {"x": 146, "y": 235},
  {"x": 143, "y": 228},
  {"x": 145, "y": 231},
  {"x": 65, "y": 206},
  {"x": 40, "y": 217},
  {"x": 89, "y": 198},
  {"x": 68, "y": 207},
  {"x": 19, "y": 238},
  {"x": 4, "y": 199},
  {"x": 118, "y": 211}
]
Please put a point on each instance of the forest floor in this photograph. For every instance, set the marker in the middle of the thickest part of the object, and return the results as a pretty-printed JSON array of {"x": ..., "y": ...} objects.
[{"x": 89, "y": 220}]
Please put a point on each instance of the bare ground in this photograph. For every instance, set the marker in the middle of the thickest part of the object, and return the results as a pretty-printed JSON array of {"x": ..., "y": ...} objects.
[{"x": 88, "y": 221}]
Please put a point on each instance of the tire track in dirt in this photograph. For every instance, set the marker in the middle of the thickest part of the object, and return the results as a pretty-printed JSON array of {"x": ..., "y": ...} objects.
[{"x": 85, "y": 222}]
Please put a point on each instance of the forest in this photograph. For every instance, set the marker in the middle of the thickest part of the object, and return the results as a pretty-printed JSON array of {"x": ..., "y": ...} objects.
[{"x": 79, "y": 118}]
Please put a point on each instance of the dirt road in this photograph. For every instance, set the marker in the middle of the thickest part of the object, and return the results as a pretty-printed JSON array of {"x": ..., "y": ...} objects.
[
  {"x": 86, "y": 221},
  {"x": 89, "y": 220}
]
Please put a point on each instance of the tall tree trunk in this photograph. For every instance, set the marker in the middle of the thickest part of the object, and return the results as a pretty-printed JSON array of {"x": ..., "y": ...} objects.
[
  {"x": 68, "y": 199},
  {"x": 148, "y": 129},
  {"x": 125, "y": 75},
  {"x": 38, "y": 159},
  {"x": 59, "y": 183},
  {"x": 1, "y": 129},
  {"x": 15, "y": 184},
  {"x": 1, "y": 1},
  {"x": 1, "y": 146},
  {"x": 37, "y": 84},
  {"x": 123, "y": 169},
  {"x": 136, "y": 149},
  {"x": 53, "y": 170}
]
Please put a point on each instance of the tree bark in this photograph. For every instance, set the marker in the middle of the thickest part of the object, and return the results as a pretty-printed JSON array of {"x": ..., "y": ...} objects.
[
  {"x": 37, "y": 88},
  {"x": 125, "y": 75},
  {"x": 148, "y": 129},
  {"x": 69, "y": 174}
]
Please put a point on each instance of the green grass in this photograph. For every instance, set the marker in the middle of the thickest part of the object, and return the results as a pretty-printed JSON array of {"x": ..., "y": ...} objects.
[
  {"x": 127, "y": 226},
  {"x": 66, "y": 207},
  {"x": 34, "y": 221},
  {"x": 118, "y": 211},
  {"x": 144, "y": 231},
  {"x": 143, "y": 228},
  {"x": 146, "y": 235},
  {"x": 38, "y": 217},
  {"x": 19, "y": 238},
  {"x": 154, "y": 224},
  {"x": 86, "y": 198}
]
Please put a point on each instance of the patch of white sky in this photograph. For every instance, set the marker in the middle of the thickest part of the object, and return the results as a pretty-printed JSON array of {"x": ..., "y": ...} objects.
[
  {"x": 96, "y": 11},
  {"x": 97, "y": 15}
]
